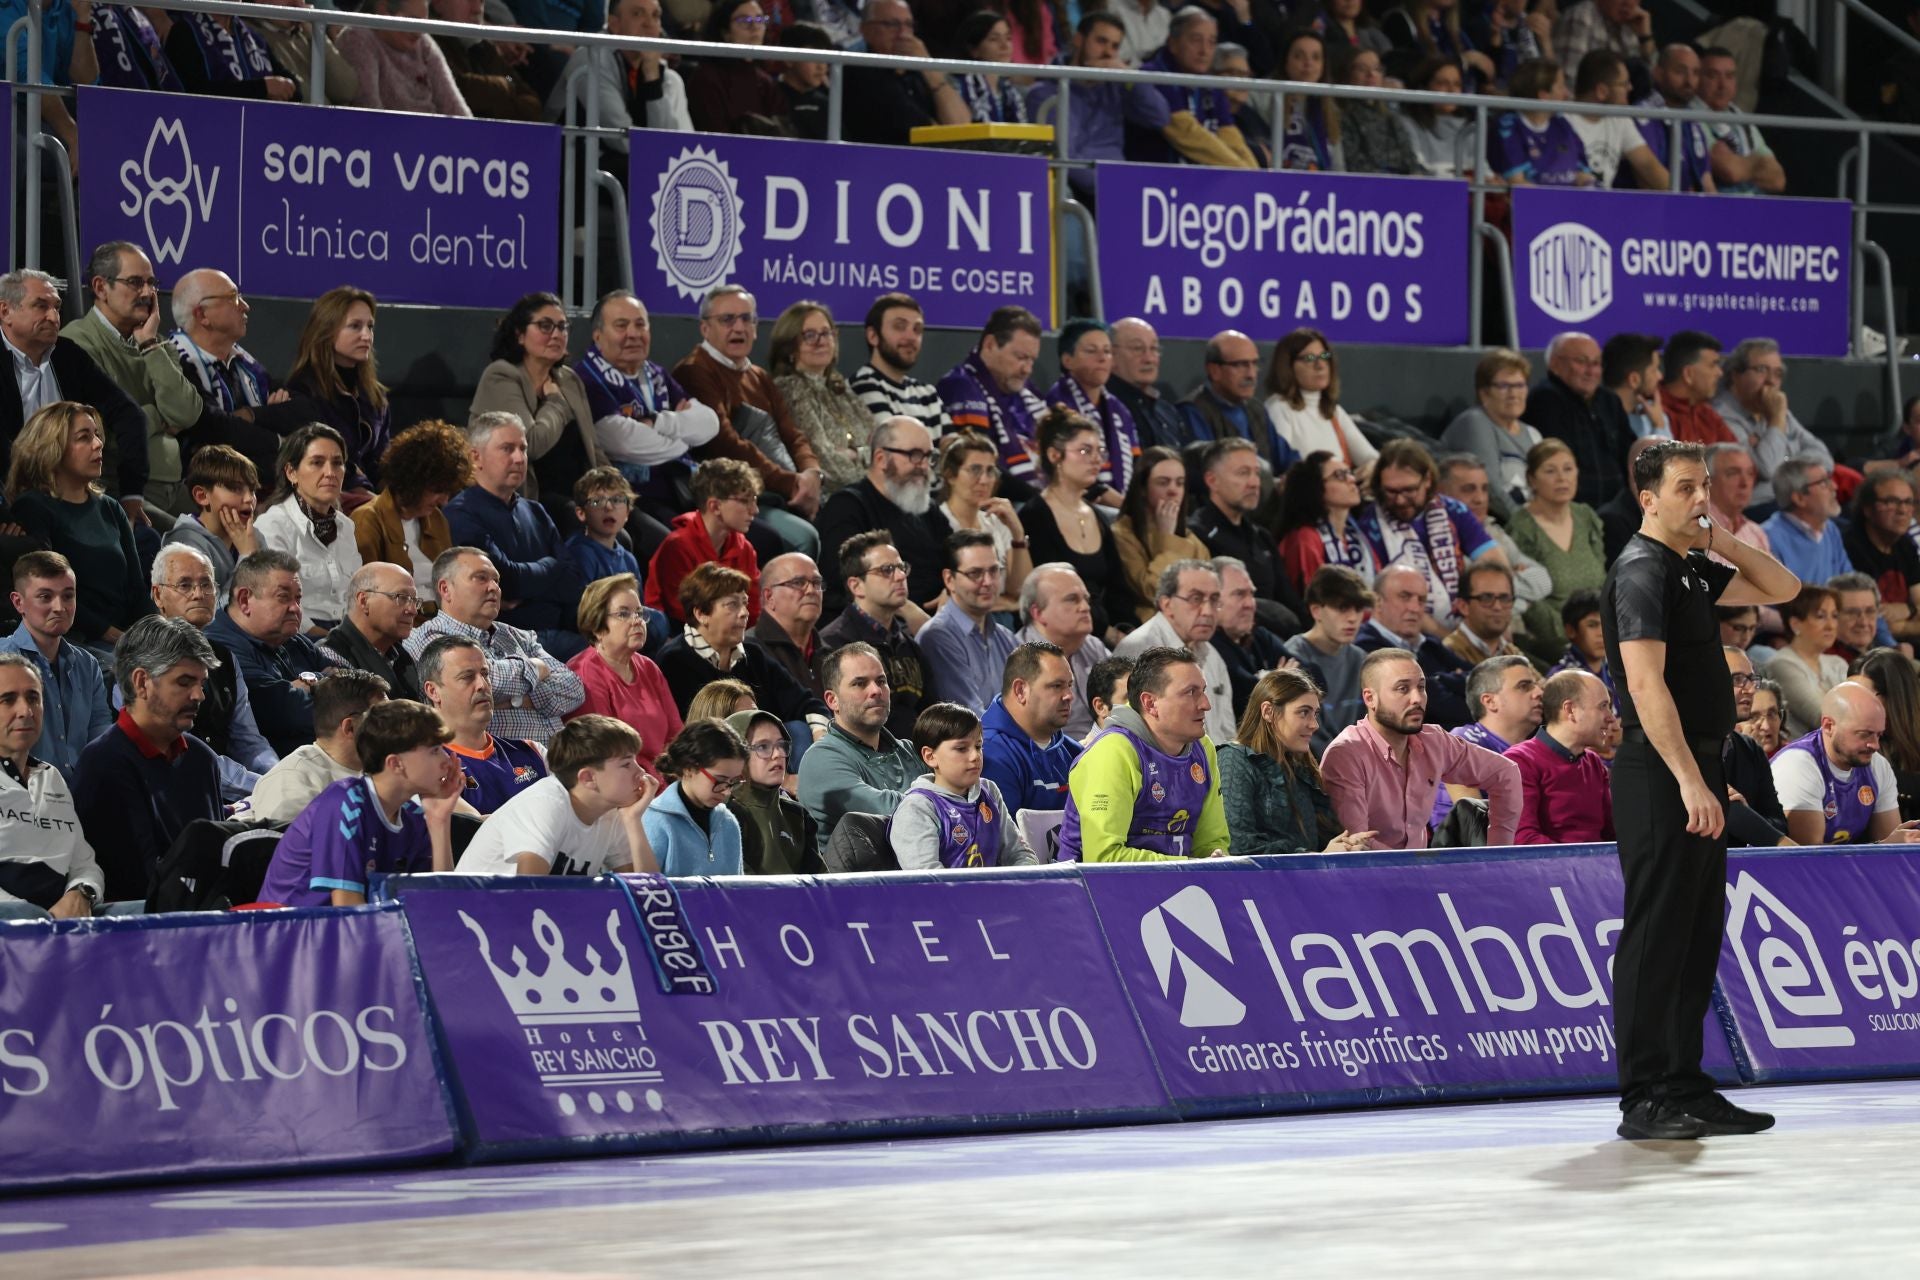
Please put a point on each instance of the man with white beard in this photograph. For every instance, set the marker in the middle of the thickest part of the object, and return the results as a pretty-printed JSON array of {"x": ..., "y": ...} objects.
[{"x": 894, "y": 496}]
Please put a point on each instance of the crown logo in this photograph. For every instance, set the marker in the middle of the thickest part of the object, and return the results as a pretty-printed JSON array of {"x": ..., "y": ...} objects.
[{"x": 561, "y": 992}]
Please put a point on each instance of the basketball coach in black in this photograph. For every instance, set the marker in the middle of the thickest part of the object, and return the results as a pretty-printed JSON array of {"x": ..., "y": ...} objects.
[{"x": 1669, "y": 790}]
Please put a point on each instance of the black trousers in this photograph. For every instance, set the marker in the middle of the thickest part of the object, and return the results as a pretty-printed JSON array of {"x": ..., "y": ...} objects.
[{"x": 1675, "y": 916}]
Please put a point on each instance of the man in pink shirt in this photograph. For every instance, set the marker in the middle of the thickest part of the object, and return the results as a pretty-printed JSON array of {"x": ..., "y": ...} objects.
[
  {"x": 1381, "y": 772},
  {"x": 1566, "y": 794}
]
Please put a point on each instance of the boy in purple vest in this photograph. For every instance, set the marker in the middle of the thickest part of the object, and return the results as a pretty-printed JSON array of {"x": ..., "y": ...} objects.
[
  {"x": 953, "y": 817},
  {"x": 1834, "y": 784},
  {"x": 1147, "y": 787}
]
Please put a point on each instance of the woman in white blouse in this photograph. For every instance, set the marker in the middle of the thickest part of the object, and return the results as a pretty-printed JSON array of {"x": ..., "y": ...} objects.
[
  {"x": 1303, "y": 401},
  {"x": 304, "y": 519}
]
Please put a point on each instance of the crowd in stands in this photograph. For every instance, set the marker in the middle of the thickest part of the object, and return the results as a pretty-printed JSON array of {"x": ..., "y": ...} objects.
[
  {"x": 723, "y": 619},
  {"x": 1586, "y": 51}
]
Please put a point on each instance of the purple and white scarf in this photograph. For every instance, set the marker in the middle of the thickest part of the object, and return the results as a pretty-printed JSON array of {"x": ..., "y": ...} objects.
[
  {"x": 232, "y": 54},
  {"x": 1115, "y": 422}
]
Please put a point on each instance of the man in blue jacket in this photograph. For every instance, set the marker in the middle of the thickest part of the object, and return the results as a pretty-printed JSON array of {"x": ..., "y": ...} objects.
[
  {"x": 261, "y": 627},
  {"x": 1028, "y": 751}
]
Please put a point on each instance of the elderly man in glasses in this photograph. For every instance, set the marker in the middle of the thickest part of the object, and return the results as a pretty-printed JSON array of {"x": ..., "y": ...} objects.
[
  {"x": 122, "y": 334},
  {"x": 1189, "y": 599},
  {"x": 381, "y": 608}
]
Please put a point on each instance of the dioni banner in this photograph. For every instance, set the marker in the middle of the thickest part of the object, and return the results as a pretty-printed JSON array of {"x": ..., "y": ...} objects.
[
  {"x": 638, "y": 1013},
  {"x": 1609, "y": 262},
  {"x": 193, "y": 1045},
  {"x": 1363, "y": 259},
  {"x": 292, "y": 200},
  {"x": 840, "y": 223},
  {"x": 1303, "y": 982}
]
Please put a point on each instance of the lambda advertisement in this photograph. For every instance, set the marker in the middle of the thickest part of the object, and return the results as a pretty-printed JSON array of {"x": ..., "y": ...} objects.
[
  {"x": 1822, "y": 968},
  {"x": 1295, "y": 986},
  {"x": 1610, "y": 262},
  {"x": 166, "y": 1046},
  {"x": 633, "y": 1014},
  {"x": 1362, "y": 259},
  {"x": 293, "y": 200},
  {"x": 838, "y": 223}
]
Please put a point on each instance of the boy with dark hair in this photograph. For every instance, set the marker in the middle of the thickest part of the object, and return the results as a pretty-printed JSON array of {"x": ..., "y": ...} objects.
[
  {"x": 397, "y": 818},
  {"x": 952, "y": 817},
  {"x": 583, "y": 818},
  {"x": 1586, "y": 641},
  {"x": 1338, "y": 600},
  {"x": 602, "y": 500},
  {"x": 726, "y": 496},
  {"x": 225, "y": 488},
  {"x": 805, "y": 83},
  {"x": 1106, "y": 689}
]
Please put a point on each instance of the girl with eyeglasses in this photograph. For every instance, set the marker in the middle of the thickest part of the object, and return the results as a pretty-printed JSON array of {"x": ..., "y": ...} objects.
[
  {"x": 692, "y": 831},
  {"x": 528, "y": 376},
  {"x": 736, "y": 95},
  {"x": 803, "y": 357},
  {"x": 621, "y": 681},
  {"x": 778, "y": 836},
  {"x": 1303, "y": 401}
]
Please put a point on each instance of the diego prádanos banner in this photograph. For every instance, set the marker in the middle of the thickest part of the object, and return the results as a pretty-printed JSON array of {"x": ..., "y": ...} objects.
[
  {"x": 838, "y": 223},
  {"x": 292, "y": 200},
  {"x": 184, "y": 1045},
  {"x": 1363, "y": 259},
  {"x": 1610, "y": 262}
]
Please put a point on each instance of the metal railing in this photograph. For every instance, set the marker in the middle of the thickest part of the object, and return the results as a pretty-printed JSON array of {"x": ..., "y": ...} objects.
[{"x": 588, "y": 132}]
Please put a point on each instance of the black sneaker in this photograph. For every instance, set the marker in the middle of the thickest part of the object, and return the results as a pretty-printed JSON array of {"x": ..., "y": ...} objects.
[
  {"x": 1718, "y": 1116},
  {"x": 1653, "y": 1121}
]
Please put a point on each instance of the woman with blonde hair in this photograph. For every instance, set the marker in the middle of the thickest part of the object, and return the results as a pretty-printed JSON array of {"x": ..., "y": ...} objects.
[
  {"x": 803, "y": 357},
  {"x": 720, "y": 699},
  {"x": 337, "y": 381},
  {"x": 54, "y": 495},
  {"x": 1269, "y": 779},
  {"x": 1562, "y": 536}
]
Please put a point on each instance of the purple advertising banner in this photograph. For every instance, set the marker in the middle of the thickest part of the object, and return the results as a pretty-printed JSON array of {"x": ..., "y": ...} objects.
[
  {"x": 1363, "y": 259},
  {"x": 1293, "y": 985},
  {"x": 292, "y": 200},
  {"x": 963, "y": 232},
  {"x": 1821, "y": 972},
  {"x": 855, "y": 1006},
  {"x": 193, "y": 1045},
  {"x": 1608, "y": 262}
]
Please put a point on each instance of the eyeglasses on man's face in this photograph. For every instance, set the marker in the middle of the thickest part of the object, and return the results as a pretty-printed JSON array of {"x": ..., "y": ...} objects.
[{"x": 405, "y": 599}]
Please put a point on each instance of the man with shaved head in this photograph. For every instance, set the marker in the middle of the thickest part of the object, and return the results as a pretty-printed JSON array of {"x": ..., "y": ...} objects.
[
  {"x": 1834, "y": 784},
  {"x": 1571, "y": 405},
  {"x": 791, "y": 588},
  {"x": 1564, "y": 785}
]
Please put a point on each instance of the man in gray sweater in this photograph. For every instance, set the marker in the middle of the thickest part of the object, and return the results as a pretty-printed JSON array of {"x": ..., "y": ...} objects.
[{"x": 858, "y": 767}]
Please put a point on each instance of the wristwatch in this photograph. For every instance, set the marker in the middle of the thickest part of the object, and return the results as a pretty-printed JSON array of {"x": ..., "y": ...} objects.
[{"x": 86, "y": 891}]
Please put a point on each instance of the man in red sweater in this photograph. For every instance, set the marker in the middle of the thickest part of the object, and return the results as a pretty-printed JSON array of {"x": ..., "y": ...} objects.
[
  {"x": 726, "y": 496},
  {"x": 1565, "y": 788},
  {"x": 1692, "y": 365}
]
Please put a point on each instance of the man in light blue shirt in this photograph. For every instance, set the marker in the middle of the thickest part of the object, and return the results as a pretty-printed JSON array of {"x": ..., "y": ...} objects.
[
  {"x": 964, "y": 649},
  {"x": 1802, "y": 533},
  {"x": 1754, "y": 406},
  {"x": 72, "y": 685}
]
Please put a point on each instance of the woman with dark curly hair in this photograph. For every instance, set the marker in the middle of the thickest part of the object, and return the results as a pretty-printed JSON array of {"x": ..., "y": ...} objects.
[
  {"x": 424, "y": 467},
  {"x": 1316, "y": 506},
  {"x": 529, "y": 378}
]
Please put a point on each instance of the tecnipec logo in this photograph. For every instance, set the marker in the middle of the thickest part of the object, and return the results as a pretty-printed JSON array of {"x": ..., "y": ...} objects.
[
  {"x": 697, "y": 216},
  {"x": 1570, "y": 272}
]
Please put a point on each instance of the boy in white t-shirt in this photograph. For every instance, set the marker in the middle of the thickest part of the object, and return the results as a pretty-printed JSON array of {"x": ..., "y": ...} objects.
[
  {"x": 580, "y": 820},
  {"x": 1602, "y": 77}
]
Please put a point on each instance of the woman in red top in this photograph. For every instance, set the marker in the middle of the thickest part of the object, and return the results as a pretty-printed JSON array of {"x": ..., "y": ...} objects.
[
  {"x": 621, "y": 681},
  {"x": 1320, "y": 496}
]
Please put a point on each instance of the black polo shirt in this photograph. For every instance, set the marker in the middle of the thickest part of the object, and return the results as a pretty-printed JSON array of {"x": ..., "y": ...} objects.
[
  {"x": 1895, "y": 572},
  {"x": 1653, "y": 594}
]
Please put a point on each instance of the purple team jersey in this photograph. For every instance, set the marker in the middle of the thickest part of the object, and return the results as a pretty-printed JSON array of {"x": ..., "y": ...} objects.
[
  {"x": 1848, "y": 807},
  {"x": 1173, "y": 790},
  {"x": 341, "y": 841},
  {"x": 969, "y": 829},
  {"x": 506, "y": 768},
  {"x": 1552, "y": 156}
]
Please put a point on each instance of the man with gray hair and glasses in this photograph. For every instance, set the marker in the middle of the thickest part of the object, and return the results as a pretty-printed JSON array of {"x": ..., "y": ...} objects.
[
  {"x": 381, "y": 608},
  {"x": 122, "y": 334},
  {"x": 242, "y": 406},
  {"x": 183, "y": 587},
  {"x": 1803, "y": 533},
  {"x": 48, "y": 368},
  {"x": 1189, "y": 597},
  {"x": 1058, "y": 609},
  {"x": 1754, "y": 405},
  {"x": 140, "y": 783}
]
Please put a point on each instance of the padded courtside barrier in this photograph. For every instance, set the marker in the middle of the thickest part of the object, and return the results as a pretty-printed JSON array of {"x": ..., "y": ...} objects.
[
  {"x": 193, "y": 1045},
  {"x": 560, "y": 1016}
]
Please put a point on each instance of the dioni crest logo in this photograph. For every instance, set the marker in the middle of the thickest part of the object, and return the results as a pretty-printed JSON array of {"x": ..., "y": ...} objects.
[
  {"x": 1570, "y": 272},
  {"x": 697, "y": 217},
  {"x": 1204, "y": 1002},
  {"x": 166, "y": 188}
]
